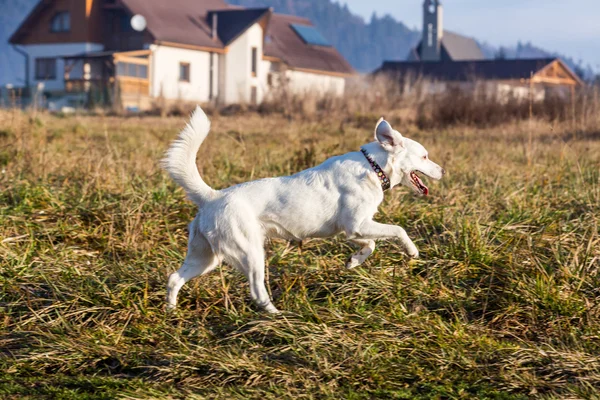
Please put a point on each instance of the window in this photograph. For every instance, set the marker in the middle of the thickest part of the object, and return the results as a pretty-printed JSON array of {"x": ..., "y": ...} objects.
[
  {"x": 45, "y": 68},
  {"x": 430, "y": 35},
  {"x": 254, "y": 60},
  {"x": 132, "y": 70},
  {"x": 432, "y": 7},
  {"x": 253, "y": 95},
  {"x": 143, "y": 71},
  {"x": 61, "y": 22},
  {"x": 184, "y": 72}
]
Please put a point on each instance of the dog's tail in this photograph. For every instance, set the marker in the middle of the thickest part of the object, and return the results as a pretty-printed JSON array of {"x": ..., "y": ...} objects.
[{"x": 180, "y": 159}]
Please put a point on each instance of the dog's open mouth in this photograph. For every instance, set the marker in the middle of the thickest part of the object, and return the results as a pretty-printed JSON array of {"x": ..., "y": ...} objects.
[{"x": 418, "y": 183}]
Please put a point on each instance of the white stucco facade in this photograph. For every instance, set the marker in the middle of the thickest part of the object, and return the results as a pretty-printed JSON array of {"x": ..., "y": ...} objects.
[
  {"x": 238, "y": 78},
  {"x": 233, "y": 78},
  {"x": 165, "y": 79},
  {"x": 302, "y": 82},
  {"x": 55, "y": 51}
]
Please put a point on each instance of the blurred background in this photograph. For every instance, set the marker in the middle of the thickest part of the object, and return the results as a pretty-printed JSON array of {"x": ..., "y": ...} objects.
[{"x": 362, "y": 34}]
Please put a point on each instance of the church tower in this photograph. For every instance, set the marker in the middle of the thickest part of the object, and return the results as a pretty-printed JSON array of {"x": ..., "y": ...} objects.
[{"x": 433, "y": 31}]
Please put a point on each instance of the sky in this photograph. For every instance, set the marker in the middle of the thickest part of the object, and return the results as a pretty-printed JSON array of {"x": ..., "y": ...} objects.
[{"x": 570, "y": 27}]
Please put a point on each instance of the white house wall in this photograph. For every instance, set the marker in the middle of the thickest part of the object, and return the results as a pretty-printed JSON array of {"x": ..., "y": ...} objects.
[
  {"x": 238, "y": 67},
  {"x": 264, "y": 69},
  {"x": 301, "y": 82},
  {"x": 165, "y": 74},
  {"x": 55, "y": 51},
  {"x": 222, "y": 78}
]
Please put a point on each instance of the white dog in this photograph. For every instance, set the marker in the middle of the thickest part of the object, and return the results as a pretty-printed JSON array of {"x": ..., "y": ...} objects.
[{"x": 339, "y": 196}]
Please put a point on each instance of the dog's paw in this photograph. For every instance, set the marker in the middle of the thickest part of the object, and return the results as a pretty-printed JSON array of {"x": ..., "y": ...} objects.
[
  {"x": 271, "y": 309},
  {"x": 352, "y": 263},
  {"x": 413, "y": 252}
]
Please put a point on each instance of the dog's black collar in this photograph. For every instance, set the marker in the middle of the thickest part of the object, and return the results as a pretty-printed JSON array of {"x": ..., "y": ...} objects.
[{"x": 385, "y": 181}]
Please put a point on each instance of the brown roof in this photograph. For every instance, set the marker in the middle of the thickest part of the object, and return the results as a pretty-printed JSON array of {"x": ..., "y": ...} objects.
[
  {"x": 457, "y": 47},
  {"x": 460, "y": 47},
  {"x": 284, "y": 43},
  {"x": 178, "y": 21},
  {"x": 514, "y": 69},
  {"x": 187, "y": 22},
  {"x": 29, "y": 20}
]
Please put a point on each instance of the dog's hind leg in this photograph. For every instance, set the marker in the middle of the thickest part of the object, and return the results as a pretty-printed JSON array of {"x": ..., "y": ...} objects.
[
  {"x": 250, "y": 260},
  {"x": 199, "y": 260},
  {"x": 256, "y": 278},
  {"x": 367, "y": 248},
  {"x": 255, "y": 272}
]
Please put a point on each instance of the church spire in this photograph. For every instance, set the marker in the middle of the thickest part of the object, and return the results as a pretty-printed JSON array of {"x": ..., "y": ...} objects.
[{"x": 433, "y": 31}]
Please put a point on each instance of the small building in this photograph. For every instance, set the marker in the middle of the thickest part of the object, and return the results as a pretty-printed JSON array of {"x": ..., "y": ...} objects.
[
  {"x": 442, "y": 59},
  {"x": 197, "y": 51},
  {"x": 438, "y": 44},
  {"x": 506, "y": 79}
]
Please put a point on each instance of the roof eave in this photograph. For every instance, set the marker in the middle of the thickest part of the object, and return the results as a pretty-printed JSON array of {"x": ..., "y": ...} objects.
[
  {"x": 576, "y": 77},
  {"x": 216, "y": 49},
  {"x": 148, "y": 29},
  {"x": 14, "y": 38},
  {"x": 325, "y": 72},
  {"x": 267, "y": 13}
]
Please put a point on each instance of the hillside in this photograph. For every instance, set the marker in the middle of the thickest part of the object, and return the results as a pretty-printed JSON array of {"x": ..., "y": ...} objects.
[
  {"x": 367, "y": 44},
  {"x": 364, "y": 44}
]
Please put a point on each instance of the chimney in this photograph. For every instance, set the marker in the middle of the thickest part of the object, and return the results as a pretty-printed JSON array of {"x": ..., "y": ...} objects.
[
  {"x": 215, "y": 22},
  {"x": 433, "y": 31}
]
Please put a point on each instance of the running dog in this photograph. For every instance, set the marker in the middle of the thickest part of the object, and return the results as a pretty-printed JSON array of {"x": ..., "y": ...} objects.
[{"x": 339, "y": 196}]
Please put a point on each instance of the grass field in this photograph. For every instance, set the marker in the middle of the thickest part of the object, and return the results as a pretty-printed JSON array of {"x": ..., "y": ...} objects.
[{"x": 503, "y": 304}]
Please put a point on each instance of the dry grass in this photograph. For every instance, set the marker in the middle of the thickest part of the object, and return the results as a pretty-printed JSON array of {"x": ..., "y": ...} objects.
[{"x": 505, "y": 302}]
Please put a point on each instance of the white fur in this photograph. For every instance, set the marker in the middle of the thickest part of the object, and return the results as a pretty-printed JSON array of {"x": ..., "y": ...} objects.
[{"x": 339, "y": 196}]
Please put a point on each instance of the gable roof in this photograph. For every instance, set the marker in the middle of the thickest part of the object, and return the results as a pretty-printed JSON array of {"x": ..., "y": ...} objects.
[
  {"x": 456, "y": 46},
  {"x": 285, "y": 44},
  {"x": 514, "y": 69},
  {"x": 179, "y": 21},
  {"x": 232, "y": 23},
  {"x": 188, "y": 22},
  {"x": 460, "y": 47},
  {"x": 29, "y": 20}
]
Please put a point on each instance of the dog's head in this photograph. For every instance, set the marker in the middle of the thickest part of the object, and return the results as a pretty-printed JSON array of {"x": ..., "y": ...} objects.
[{"x": 407, "y": 158}]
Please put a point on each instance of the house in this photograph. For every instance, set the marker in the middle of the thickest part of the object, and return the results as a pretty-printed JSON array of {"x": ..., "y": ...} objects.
[
  {"x": 520, "y": 78},
  {"x": 443, "y": 58},
  {"x": 192, "y": 50}
]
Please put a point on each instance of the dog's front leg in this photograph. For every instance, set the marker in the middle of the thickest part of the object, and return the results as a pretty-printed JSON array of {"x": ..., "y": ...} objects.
[
  {"x": 366, "y": 249},
  {"x": 371, "y": 230}
]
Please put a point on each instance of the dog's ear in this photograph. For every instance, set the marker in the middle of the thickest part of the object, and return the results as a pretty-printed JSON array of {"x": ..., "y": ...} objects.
[{"x": 387, "y": 137}]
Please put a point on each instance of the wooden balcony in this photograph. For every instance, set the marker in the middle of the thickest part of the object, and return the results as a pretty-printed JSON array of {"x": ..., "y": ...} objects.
[
  {"x": 133, "y": 86},
  {"x": 83, "y": 85}
]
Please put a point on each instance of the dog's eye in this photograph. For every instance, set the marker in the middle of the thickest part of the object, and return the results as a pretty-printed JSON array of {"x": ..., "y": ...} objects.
[{"x": 424, "y": 157}]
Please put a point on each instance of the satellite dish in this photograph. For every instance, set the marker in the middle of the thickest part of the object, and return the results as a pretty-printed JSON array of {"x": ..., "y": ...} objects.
[{"x": 138, "y": 22}]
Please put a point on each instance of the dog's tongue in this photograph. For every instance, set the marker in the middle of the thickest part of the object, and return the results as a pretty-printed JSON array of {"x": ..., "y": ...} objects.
[{"x": 424, "y": 189}]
